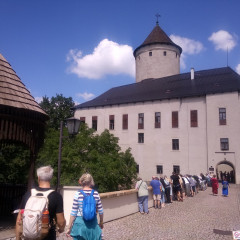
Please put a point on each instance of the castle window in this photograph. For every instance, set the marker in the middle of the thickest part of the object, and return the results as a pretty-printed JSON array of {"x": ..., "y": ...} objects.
[
  {"x": 222, "y": 116},
  {"x": 164, "y": 53},
  {"x": 82, "y": 119},
  {"x": 159, "y": 169},
  {"x": 111, "y": 122},
  {"x": 175, "y": 119},
  {"x": 224, "y": 144},
  {"x": 176, "y": 169},
  {"x": 176, "y": 55},
  {"x": 137, "y": 168},
  {"x": 140, "y": 137},
  {"x": 125, "y": 121},
  {"x": 94, "y": 123},
  {"x": 140, "y": 120},
  {"x": 175, "y": 144},
  {"x": 194, "y": 118},
  {"x": 157, "y": 119},
  {"x": 150, "y": 54}
]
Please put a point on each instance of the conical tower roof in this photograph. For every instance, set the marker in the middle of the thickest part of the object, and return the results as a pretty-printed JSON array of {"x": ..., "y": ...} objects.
[
  {"x": 13, "y": 92},
  {"x": 157, "y": 36}
]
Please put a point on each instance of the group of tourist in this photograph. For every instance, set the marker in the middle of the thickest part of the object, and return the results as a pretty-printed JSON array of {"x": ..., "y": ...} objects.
[
  {"x": 78, "y": 228},
  {"x": 165, "y": 190},
  {"x": 215, "y": 186},
  {"x": 176, "y": 188}
]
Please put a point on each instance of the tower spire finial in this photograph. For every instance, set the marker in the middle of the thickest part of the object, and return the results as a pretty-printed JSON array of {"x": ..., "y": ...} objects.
[{"x": 157, "y": 16}]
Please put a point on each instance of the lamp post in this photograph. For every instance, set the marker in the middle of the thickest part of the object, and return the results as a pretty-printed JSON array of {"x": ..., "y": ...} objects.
[{"x": 73, "y": 125}]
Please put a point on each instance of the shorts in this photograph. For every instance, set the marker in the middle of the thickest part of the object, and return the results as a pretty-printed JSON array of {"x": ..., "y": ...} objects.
[{"x": 157, "y": 197}]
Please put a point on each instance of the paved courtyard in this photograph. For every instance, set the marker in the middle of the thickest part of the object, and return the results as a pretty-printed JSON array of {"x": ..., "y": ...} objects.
[{"x": 204, "y": 217}]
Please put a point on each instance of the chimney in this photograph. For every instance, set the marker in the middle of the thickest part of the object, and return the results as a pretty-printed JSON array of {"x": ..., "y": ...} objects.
[{"x": 192, "y": 73}]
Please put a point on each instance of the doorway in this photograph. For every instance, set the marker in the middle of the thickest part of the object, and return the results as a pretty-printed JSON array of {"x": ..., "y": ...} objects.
[{"x": 227, "y": 170}]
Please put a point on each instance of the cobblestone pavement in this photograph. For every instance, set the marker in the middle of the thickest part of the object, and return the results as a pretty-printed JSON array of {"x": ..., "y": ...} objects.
[{"x": 203, "y": 217}]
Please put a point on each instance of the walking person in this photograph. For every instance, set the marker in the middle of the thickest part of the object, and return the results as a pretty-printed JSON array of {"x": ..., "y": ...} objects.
[
  {"x": 167, "y": 189},
  {"x": 163, "y": 199},
  {"x": 176, "y": 186},
  {"x": 156, "y": 192},
  {"x": 142, "y": 188},
  {"x": 80, "y": 228},
  {"x": 192, "y": 183},
  {"x": 225, "y": 186},
  {"x": 55, "y": 204},
  {"x": 214, "y": 182}
]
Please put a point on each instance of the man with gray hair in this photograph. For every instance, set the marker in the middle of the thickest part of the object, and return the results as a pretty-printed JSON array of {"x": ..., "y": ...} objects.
[{"x": 55, "y": 205}]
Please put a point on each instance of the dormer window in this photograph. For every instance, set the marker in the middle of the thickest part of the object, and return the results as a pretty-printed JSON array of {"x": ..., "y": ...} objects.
[{"x": 150, "y": 54}]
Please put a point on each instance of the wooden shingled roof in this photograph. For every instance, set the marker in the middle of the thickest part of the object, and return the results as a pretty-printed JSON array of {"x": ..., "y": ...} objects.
[
  {"x": 21, "y": 118},
  {"x": 13, "y": 92}
]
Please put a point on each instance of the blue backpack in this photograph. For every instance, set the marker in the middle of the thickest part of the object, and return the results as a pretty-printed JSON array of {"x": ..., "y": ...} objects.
[{"x": 89, "y": 206}]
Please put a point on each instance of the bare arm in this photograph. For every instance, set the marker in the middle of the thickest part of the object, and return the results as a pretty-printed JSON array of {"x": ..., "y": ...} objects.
[
  {"x": 18, "y": 227},
  {"x": 101, "y": 221},
  {"x": 61, "y": 222},
  {"x": 71, "y": 220}
]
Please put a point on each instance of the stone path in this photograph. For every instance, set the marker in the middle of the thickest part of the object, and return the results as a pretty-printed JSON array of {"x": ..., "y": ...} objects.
[{"x": 203, "y": 217}]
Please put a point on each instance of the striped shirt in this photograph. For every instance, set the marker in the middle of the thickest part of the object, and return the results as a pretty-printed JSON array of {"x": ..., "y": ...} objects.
[{"x": 78, "y": 203}]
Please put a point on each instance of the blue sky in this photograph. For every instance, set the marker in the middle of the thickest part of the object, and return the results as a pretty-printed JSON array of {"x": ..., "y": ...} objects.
[{"x": 82, "y": 48}]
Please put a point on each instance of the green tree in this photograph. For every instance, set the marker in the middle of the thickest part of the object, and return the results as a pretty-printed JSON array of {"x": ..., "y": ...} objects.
[
  {"x": 58, "y": 109},
  {"x": 14, "y": 161},
  {"x": 99, "y": 155}
]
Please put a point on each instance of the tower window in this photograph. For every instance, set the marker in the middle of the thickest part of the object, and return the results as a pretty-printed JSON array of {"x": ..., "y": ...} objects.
[
  {"x": 176, "y": 55},
  {"x": 150, "y": 54},
  {"x": 164, "y": 53}
]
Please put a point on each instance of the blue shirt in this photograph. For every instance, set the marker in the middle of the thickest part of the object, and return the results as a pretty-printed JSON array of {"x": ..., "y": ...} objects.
[{"x": 155, "y": 186}]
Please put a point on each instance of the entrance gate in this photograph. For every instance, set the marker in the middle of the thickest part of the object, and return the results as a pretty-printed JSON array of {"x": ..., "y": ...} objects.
[{"x": 227, "y": 170}]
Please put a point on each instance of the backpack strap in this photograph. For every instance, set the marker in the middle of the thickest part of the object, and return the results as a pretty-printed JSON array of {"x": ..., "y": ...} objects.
[
  {"x": 84, "y": 194},
  {"x": 45, "y": 194}
]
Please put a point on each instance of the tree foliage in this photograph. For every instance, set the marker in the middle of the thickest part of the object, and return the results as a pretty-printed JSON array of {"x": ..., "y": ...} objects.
[
  {"x": 14, "y": 161},
  {"x": 58, "y": 109},
  {"x": 99, "y": 155}
]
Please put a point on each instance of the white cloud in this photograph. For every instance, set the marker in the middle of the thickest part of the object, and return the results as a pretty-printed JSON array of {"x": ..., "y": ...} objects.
[
  {"x": 108, "y": 58},
  {"x": 38, "y": 99},
  {"x": 238, "y": 68},
  {"x": 86, "y": 96},
  {"x": 189, "y": 47},
  {"x": 223, "y": 40}
]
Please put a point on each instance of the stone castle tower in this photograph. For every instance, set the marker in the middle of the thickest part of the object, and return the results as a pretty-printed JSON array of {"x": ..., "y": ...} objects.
[{"x": 158, "y": 56}]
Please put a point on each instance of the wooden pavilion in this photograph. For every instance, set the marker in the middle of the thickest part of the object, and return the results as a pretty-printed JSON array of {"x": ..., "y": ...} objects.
[{"x": 21, "y": 118}]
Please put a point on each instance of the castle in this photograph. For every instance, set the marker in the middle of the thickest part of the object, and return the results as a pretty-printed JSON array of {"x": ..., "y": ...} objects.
[{"x": 187, "y": 123}]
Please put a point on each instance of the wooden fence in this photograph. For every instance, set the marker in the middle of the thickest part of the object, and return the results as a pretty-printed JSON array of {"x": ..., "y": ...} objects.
[{"x": 10, "y": 197}]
